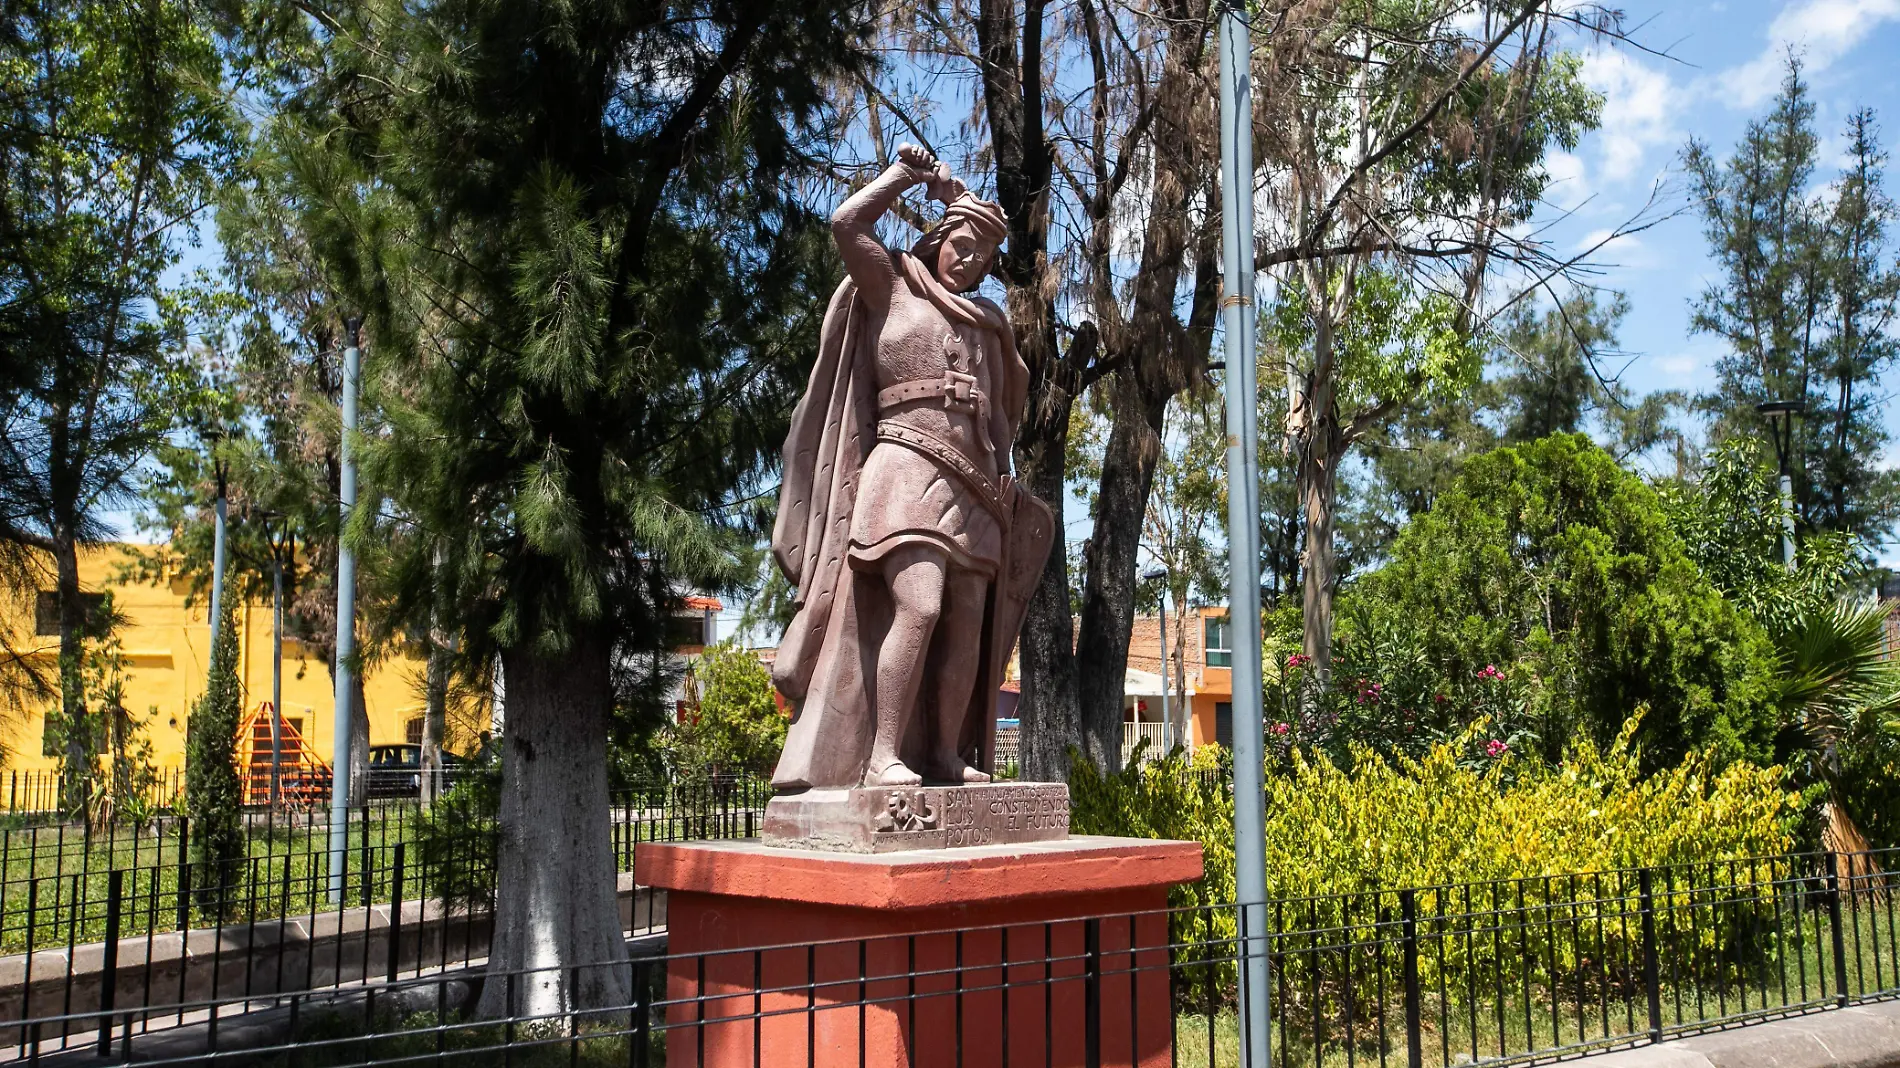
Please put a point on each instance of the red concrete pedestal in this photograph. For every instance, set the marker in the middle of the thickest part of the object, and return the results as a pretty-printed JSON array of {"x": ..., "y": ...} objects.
[{"x": 930, "y": 958}]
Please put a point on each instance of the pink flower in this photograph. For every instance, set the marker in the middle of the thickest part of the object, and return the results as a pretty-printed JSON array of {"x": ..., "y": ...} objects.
[
  {"x": 1495, "y": 748},
  {"x": 1490, "y": 671},
  {"x": 1281, "y": 728},
  {"x": 1298, "y": 660}
]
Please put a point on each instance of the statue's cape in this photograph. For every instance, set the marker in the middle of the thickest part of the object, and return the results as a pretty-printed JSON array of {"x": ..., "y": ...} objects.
[{"x": 833, "y": 429}]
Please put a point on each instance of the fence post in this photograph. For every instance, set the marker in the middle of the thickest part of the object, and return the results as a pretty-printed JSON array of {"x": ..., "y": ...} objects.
[
  {"x": 642, "y": 1016},
  {"x": 184, "y": 877},
  {"x": 1652, "y": 981},
  {"x": 369, "y": 873},
  {"x": 395, "y": 915},
  {"x": 109, "y": 971},
  {"x": 1834, "y": 921},
  {"x": 1408, "y": 927},
  {"x": 1092, "y": 992}
]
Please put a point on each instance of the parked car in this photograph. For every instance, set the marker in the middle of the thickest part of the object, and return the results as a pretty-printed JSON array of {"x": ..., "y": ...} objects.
[{"x": 396, "y": 770}]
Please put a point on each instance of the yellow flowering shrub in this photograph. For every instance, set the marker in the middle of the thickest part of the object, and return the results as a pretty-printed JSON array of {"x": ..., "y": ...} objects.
[{"x": 1498, "y": 843}]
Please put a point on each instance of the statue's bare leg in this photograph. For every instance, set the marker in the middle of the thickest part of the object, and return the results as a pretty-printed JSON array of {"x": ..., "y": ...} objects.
[
  {"x": 962, "y": 627},
  {"x": 915, "y": 576}
]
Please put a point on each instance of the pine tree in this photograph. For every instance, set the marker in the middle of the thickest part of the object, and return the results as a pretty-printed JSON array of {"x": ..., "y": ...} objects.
[
  {"x": 1807, "y": 293},
  {"x": 213, "y": 797},
  {"x": 591, "y": 286},
  {"x": 113, "y": 129}
]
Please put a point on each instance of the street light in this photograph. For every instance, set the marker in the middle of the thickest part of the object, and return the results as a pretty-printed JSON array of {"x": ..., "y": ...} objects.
[
  {"x": 1781, "y": 415},
  {"x": 1154, "y": 573},
  {"x": 268, "y": 516}
]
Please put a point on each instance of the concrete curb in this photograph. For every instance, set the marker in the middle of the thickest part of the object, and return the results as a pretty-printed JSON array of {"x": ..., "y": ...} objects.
[{"x": 1859, "y": 1036}]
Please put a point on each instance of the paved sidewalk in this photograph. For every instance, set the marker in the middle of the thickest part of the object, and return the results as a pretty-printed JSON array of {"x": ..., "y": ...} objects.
[{"x": 1861, "y": 1036}]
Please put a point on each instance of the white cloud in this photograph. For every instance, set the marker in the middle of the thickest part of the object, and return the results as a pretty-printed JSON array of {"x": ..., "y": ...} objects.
[
  {"x": 1680, "y": 367},
  {"x": 1821, "y": 31},
  {"x": 1569, "y": 187},
  {"x": 1627, "y": 250},
  {"x": 1639, "y": 106}
]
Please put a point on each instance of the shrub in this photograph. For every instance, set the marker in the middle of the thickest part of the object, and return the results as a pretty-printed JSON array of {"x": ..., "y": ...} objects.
[
  {"x": 1340, "y": 843},
  {"x": 736, "y": 725},
  {"x": 459, "y": 838},
  {"x": 213, "y": 796},
  {"x": 1559, "y": 569}
]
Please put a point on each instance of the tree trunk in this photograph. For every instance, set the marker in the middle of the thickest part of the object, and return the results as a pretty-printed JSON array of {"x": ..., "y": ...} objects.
[
  {"x": 1108, "y": 598},
  {"x": 555, "y": 909},
  {"x": 1048, "y": 708},
  {"x": 359, "y": 742},
  {"x": 434, "y": 720},
  {"x": 77, "y": 772},
  {"x": 1319, "y": 494},
  {"x": 1177, "y": 707}
]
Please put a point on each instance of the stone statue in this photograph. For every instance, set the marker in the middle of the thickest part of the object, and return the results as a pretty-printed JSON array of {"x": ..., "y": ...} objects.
[{"x": 912, "y": 550}]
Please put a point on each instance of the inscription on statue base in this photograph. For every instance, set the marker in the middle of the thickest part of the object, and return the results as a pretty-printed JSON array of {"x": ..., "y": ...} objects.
[{"x": 890, "y": 819}]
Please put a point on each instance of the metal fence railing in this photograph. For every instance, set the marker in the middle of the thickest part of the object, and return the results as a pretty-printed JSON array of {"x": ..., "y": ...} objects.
[
  {"x": 81, "y": 904},
  {"x": 1483, "y": 973}
]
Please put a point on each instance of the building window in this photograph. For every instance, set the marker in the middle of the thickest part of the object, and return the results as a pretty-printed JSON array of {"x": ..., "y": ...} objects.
[
  {"x": 46, "y": 613},
  {"x": 686, "y": 632},
  {"x": 1219, "y": 653},
  {"x": 412, "y": 731}
]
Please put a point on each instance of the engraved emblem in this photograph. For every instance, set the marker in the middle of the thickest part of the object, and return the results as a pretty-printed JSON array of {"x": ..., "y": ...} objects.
[{"x": 898, "y": 815}]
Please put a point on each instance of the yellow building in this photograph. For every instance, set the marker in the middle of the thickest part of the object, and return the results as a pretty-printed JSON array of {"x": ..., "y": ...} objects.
[{"x": 166, "y": 647}]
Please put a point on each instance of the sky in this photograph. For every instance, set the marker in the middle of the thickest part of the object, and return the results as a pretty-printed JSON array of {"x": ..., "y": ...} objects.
[
  {"x": 1722, "y": 63},
  {"x": 1710, "y": 67}
]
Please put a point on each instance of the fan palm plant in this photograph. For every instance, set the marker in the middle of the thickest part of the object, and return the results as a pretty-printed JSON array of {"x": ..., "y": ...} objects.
[{"x": 1843, "y": 690}]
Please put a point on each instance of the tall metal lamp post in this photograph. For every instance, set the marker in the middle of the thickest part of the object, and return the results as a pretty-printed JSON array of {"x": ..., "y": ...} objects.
[
  {"x": 278, "y": 541},
  {"x": 345, "y": 622},
  {"x": 1238, "y": 320},
  {"x": 1157, "y": 573},
  {"x": 1781, "y": 416},
  {"x": 220, "y": 506}
]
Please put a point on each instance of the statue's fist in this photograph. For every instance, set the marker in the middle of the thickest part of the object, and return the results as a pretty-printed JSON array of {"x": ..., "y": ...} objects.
[{"x": 916, "y": 158}]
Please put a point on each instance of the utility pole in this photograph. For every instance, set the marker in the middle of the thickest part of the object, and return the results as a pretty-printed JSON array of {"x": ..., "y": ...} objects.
[
  {"x": 345, "y": 624},
  {"x": 277, "y": 551},
  {"x": 1167, "y": 721},
  {"x": 1781, "y": 416},
  {"x": 218, "y": 510},
  {"x": 1243, "y": 525}
]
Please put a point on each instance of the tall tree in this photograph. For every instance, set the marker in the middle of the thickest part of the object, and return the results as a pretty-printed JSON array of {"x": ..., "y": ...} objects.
[
  {"x": 1805, "y": 303},
  {"x": 117, "y": 130},
  {"x": 1550, "y": 369},
  {"x": 1411, "y": 143},
  {"x": 590, "y": 278}
]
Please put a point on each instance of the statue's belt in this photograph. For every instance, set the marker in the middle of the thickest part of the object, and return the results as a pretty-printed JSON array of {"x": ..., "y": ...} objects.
[
  {"x": 986, "y": 491},
  {"x": 958, "y": 390}
]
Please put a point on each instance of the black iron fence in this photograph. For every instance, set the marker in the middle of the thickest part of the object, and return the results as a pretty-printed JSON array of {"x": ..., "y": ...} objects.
[
  {"x": 1482, "y": 973},
  {"x": 129, "y": 918}
]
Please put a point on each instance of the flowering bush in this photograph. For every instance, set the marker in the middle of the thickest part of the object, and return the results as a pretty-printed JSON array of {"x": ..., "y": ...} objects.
[{"x": 1335, "y": 836}]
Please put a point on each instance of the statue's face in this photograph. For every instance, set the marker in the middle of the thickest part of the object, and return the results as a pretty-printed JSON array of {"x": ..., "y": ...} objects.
[{"x": 963, "y": 258}]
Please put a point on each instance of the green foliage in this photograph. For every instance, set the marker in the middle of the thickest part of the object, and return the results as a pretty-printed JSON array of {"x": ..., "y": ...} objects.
[
  {"x": 1544, "y": 375},
  {"x": 458, "y": 838},
  {"x": 1338, "y": 839},
  {"x": 115, "y": 127},
  {"x": 213, "y": 794},
  {"x": 1840, "y": 691},
  {"x": 1554, "y": 566},
  {"x": 737, "y": 726},
  {"x": 1807, "y": 287},
  {"x": 1181, "y": 798},
  {"x": 1396, "y": 344},
  {"x": 1730, "y": 520}
]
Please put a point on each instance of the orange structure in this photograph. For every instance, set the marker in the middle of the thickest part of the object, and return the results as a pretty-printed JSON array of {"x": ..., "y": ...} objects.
[
  {"x": 916, "y": 959},
  {"x": 303, "y": 776}
]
